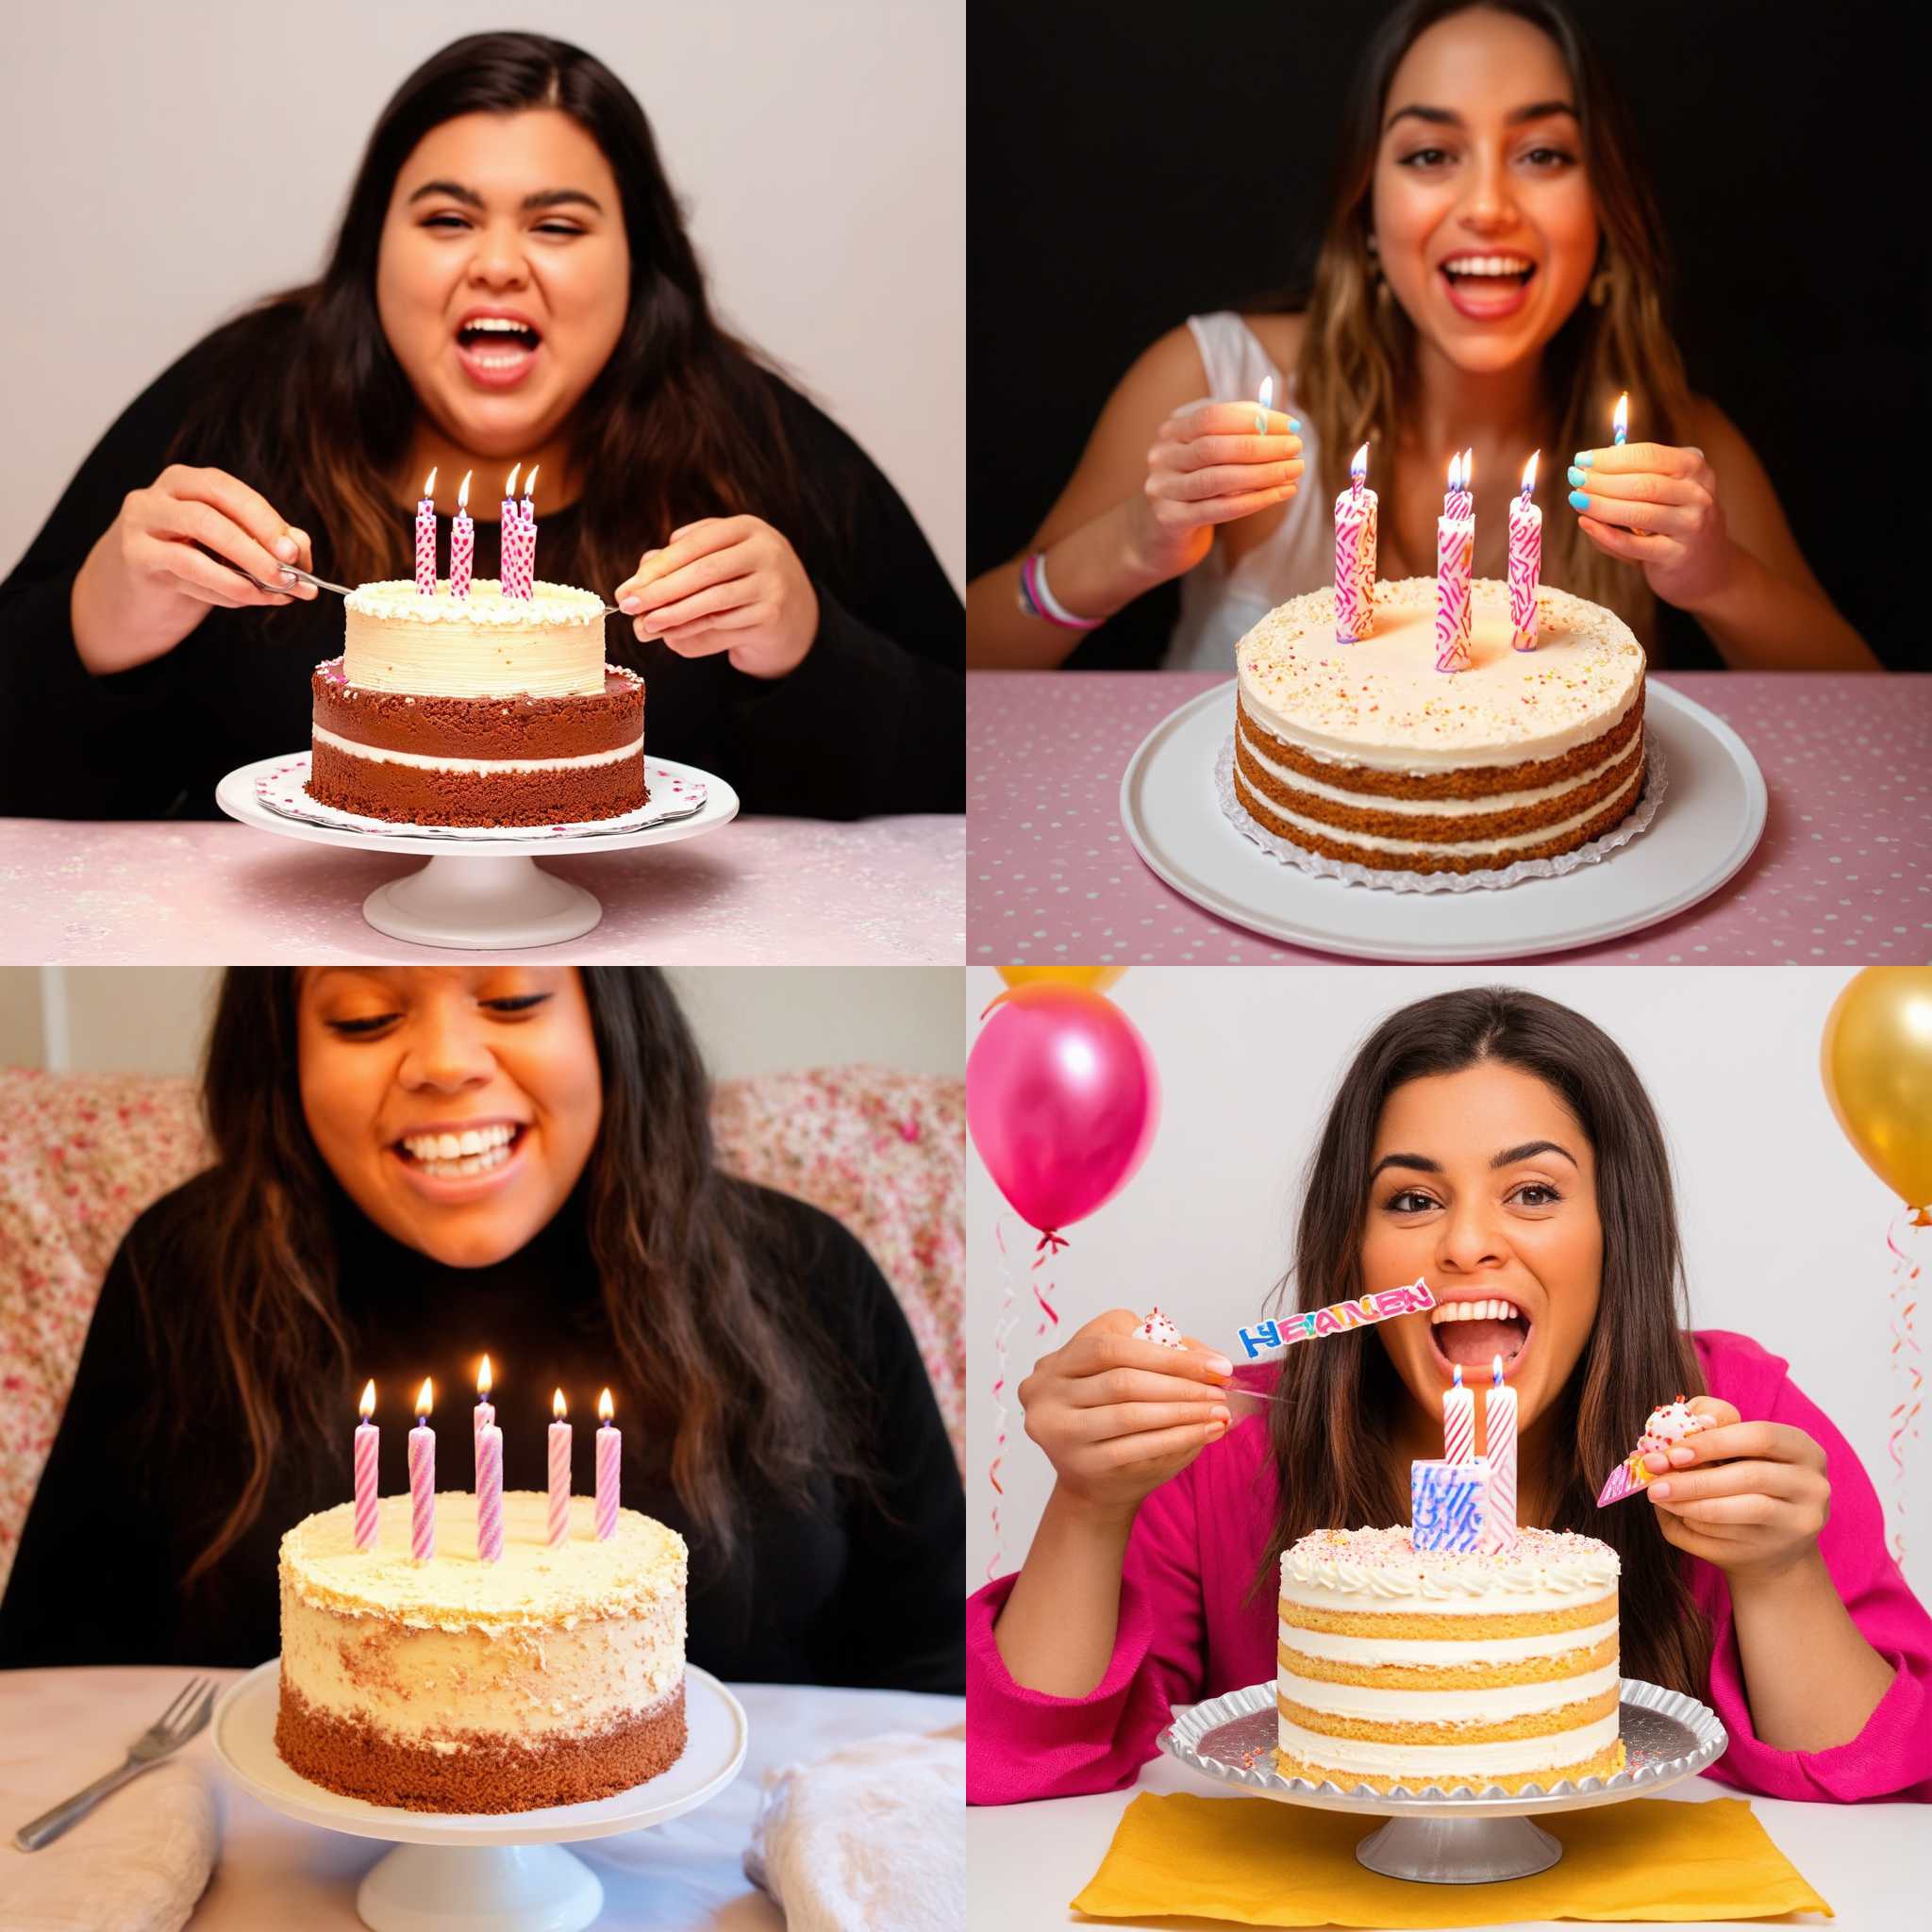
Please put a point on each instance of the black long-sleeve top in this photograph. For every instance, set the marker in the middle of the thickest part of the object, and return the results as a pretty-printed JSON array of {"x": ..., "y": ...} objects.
[
  {"x": 861, "y": 1588},
  {"x": 871, "y": 721}
]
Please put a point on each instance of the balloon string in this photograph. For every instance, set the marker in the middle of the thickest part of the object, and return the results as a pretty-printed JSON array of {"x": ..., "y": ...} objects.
[
  {"x": 1049, "y": 1244},
  {"x": 1002, "y": 1328},
  {"x": 1905, "y": 1343}
]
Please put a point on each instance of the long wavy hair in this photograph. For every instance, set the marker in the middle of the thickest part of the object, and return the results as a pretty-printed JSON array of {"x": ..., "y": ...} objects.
[
  {"x": 307, "y": 396},
  {"x": 691, "y": 1265},
  {"x": 1638, "y": 1354},
  {"x": 1356, "y": 372}
]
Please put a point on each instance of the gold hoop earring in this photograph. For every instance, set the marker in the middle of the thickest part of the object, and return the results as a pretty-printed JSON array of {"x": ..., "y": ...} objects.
[{"x": 1600, "y": 288}]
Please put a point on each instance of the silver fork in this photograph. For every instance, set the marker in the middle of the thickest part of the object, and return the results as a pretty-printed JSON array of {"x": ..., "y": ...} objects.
[{"x": 168, "y": 1733}]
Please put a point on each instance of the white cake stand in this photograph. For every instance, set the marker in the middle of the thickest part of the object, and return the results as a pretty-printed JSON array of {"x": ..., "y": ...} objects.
[
  {"x": 468, "y": 1873},
  {"x": 1461, "y": 1838},
  {"x": 481, "y": 891}
]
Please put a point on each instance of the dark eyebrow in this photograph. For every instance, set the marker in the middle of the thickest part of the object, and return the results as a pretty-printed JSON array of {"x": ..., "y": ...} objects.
[
  {"x": 544, "y": 197},
  {"x": 1528, "y": 1151},
  {"x": 1421, "y": 1163},
  {"x": 1448, "y": 117}
]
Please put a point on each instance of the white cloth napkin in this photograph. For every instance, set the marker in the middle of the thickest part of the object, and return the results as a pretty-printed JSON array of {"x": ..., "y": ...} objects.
[
  {"x": 870, "y": 1839},
  {"x": 137, "y": 1862}
]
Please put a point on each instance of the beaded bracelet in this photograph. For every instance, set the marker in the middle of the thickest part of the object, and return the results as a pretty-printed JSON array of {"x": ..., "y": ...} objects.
[{"x": 1038, "y": 601}]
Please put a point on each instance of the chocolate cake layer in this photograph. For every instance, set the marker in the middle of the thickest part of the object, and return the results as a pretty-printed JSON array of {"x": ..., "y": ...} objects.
[
  {"x": 490, "y": 727},
  {"x": 425, "y": 795},
  {"x": 486, "y": 1772}
]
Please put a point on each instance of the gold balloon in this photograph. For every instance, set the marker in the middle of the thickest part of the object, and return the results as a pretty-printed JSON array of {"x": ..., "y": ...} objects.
[
  {"x": 1094, "y": 978},
  {"x": 1877, "y": 1061}
]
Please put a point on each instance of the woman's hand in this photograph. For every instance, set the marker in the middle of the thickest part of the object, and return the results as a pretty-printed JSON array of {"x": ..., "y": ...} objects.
[
  {"x": 1209, "y": 466},
  {"x": 1118, "y": 1416},
  {"x": 726, "y": 583},
  {"x": 151, "y": 579},
  {"x": 1749, "y": 1497},
  {"x": 1658, "y": 508}
]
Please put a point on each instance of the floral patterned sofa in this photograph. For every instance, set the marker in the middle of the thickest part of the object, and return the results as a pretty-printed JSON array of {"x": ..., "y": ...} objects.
[{"x": 82, "y": 1154}]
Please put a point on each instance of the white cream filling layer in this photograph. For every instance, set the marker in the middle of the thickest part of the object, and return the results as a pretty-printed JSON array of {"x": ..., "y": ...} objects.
[
  {"x": 1444, "y": 1707},
  {"x": 1367, "y": 841},
  {"x": 378, "y": 755},
  {"x": 1338, "y": 1648},
  {"x": 1426, "y": 1763}
]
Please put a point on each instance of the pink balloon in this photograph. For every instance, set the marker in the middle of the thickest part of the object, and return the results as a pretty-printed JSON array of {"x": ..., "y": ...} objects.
[{"x": 1062, "y": 1099}]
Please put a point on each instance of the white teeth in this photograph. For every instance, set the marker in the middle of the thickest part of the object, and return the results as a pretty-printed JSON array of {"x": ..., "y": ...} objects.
[
  {"x": 1487, "y": 264},
  {"x": 1472, "y": 1311},
  {"x": 473, "y": 1164},
  {"x": 428, "y": 1148},
  {"x": 500, "y": 325}
]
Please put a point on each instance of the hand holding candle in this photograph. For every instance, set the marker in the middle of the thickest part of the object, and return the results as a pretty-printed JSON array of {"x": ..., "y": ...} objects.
[
  {"x": 1355, "y": 511},
  {"x": 426, "y": 538},
  {"x": 610, "y": 1462},
  {"x": 559, "y": 1473},
  {"x": 1526, "y": 560},
  {"x": 462, "y": 542},
  {"x": 368, "y": 1443},
  {"x": 423, "y": 1482},
  {"x": 1208, "y": 464}
]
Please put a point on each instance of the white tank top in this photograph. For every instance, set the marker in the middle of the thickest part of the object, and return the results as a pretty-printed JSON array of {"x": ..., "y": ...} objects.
[{"x": 1220, "y": 605}]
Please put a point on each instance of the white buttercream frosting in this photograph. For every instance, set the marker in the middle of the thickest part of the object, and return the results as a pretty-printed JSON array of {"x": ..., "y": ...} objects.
[
  {"x": 550, "y": 644},
  {"x": 547, "y": 603},
  {"x": 1382, "y": 1568},
  {"x": 1158, "y": 1329},
  {"x": 1492, "y": 1705}
]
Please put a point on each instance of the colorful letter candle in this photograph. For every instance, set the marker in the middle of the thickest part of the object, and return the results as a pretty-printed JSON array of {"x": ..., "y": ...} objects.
[
  {"x": 1620, "y": 417},
  {"x": 1354, "y": 554},
  {"x": 484, "y": 1415},
  {"x": 1499, "y": 1448},
  {"x": 610, "y": 1457},
  {"x": 1526, "y": 560},
  {"x": 423, "y": 1482},
  {"x": 511, "y": 538},
  {"x": 426, "y": 538},
  {"x": 559, "y": 1472},
  {"x": 368, "y": 1440},
  {"x": 527, "y": 553},
  {"x": 1459, "y": 1421},
  {"x": 1448, "y": 1502},
  {"x": 462, "y": 542},
  {"x": 1454, "y": 556},
  {"x": 488, "y": 1493}
]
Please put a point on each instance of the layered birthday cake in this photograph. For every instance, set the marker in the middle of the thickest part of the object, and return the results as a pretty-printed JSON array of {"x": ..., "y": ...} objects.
[
  {"x": 550, "y": 1676},
  {"x": 476, "y": 711},
  {"x": 1399, "y": 1666},
  {"x": 1365, "y": 752}
]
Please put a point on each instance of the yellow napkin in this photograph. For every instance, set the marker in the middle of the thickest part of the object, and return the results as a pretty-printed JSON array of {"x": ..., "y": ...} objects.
[{"x": 1257, "y": 1862}]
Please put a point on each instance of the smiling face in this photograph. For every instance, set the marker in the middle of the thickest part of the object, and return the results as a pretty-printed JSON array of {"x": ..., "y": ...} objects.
[
  {"x": 1483, "y": 217},
  {"x": 1484, "y": 1184},
  {"x": 457, "y": 1105},
  {"x": 512, "y": 219}
]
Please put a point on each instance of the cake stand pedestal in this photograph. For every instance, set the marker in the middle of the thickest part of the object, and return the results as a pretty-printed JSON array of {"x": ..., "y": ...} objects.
[
  {"x": 479, "y": 899},
  {"x": 1465, "y": 1837},
  {"x": 476, "y": 1873}
]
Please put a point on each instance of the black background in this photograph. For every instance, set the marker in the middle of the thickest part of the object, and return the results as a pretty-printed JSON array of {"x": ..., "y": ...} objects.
[{"x": 1129, "y": 166}]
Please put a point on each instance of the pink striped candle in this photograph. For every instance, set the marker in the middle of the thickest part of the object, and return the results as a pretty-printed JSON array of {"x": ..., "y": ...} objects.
[
  {"x": 1454, "y": 555},
  {"x": 482, "y": 1416},
  {"x": 489, "y": 1493},
  {"x": 1499, "y": 1447},
  {"x": 1354, "y": 554},
  {"x": 610, "y": 1457},
  {"x": 559, "y": 1473},
  {"x": 426, "y": 538},
  {"x": 423, "y": 1482},
  {"x": 509, "y": 532},
  {"x": 1526, "y": 560},
  {"x": 462, "y": 542},
  {"x": 368, "y": 1440},
  {"x": 1459, "y": 1421},
  {"x": 527, "y": 552}
]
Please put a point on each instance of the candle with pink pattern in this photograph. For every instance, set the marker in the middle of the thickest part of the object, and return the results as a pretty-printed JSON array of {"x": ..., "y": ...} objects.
[
  {"x": 527, "y": 551},
  {"x": 1499, "y": 1446},
  {"x": 423, "y": 1482},
  {"x": 1354, "y": 554},
  {"x": 1454, "y": 556},
  {"x": 609, "y": 1458},
  {"x": 426, "y": 538},
  {"x": 1526, "y": 560},
  {"x": 559, "y": 1472},
  {"x": 484, "y": 1415},
  {"x": 368, "y": 1440},
  {"x": 509, "y": 535},
  {"x": 488, "y": 1493},
  {"x": 1459, "y": 1421},
  {"x": 462, "y": 542}
]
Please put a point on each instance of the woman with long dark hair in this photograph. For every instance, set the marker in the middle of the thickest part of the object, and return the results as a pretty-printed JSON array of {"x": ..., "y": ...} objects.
[
  {"x": 417, "y": 1166},
  {"x": 1501, "y": 1147},
  {"x": 511, "y": 285},
  {"x": 1490, "y": 274}
]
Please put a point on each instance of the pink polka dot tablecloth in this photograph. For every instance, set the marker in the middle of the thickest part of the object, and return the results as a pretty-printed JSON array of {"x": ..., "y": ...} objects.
[{"x": 1843, "y": 873}]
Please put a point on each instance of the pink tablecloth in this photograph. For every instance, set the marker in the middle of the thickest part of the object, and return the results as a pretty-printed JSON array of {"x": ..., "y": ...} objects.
[
  {"x": 1843, "y": 873},
  {"x": 759, "y": 891}
]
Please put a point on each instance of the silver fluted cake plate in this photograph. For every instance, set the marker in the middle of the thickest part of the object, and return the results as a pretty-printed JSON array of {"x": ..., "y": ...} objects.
[{"x": 1454, "y": 1838}]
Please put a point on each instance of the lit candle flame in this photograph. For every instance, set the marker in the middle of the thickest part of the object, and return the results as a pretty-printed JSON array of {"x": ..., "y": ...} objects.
[
  {"x": 1620, "y": 417},
  {"x": 483, "y": 1378},
  {"x": 1497, "y": 1369},
  {"x": 1358, "y": 466},
  {"x": 604, "y": 1405},
  {"x": 1458, "y": 1371},
  {"x": 463, "y": 490},
  {"x": 556, "y": 1406},
  {"x": 530, "y": 483},
  {"x": 509, "y": 489},
  {"x": 429, "y": 487},
  {"x": 1267, "y": 397},
  {"x": 1529, "y": 472},
  {"x": 422, "y": 1403},
  {"x": 368, "y": 1400},
  {"x": 1468, "y": 469},
  {"x": 1456, "y": 471}
]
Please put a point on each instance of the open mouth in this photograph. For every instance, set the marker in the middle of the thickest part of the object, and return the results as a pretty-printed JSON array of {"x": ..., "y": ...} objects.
[
  {"x": 1488, "y": 284},
  {"x": 497, "y": 350},
  {"x": 1474, "y": 1332},
  {"x": 461, "y": 1155}
]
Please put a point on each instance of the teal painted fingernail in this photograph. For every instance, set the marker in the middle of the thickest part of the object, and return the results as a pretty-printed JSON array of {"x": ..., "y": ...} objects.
[
  {"x": 1575, "y": 474},
  {"x": 1295, "y": 424},
  {"x": 1578, "y": 501},
  {"x": 1583, "y": 458}
]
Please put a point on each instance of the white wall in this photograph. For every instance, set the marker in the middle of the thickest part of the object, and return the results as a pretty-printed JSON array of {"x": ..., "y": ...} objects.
[
  {"x": 1784, "y": 1227},
  {"x": 167, "y": 164}
]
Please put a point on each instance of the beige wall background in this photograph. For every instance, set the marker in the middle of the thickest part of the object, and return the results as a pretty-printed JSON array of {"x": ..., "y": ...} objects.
[
  {"x": 166, "y": 165},
  {"x": 748, "y": 1020}
]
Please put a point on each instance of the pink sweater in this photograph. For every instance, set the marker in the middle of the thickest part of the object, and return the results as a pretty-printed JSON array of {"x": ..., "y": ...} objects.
[{"x": 1186, "y": 1631}]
